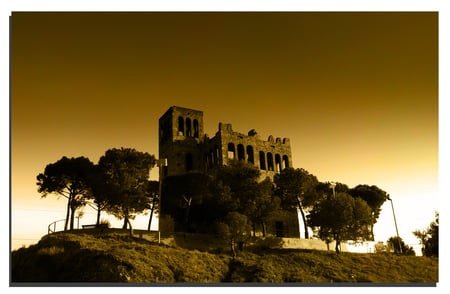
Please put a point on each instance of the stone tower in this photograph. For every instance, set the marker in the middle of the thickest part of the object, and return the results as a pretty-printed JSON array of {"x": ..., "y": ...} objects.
[{"x": 180, "y": 134}]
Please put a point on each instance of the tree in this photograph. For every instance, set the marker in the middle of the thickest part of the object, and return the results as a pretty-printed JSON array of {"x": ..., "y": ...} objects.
[
  {"x": 374, "y": 197},
  {"x": 296, "y": 189},
  {"x": 429, "y": 238},
  {"x": 184, "y": 194},
  {"x": 399, "y": 246},
  {"x": 153, "y": 194},
  {"x": 235, "y": 187},
  {"x": 67, "y": 177},
  {"x": 234, "y": 230},
  {"x": 127, "y": 172},
  {"x": 100, "y": 191},
  {"x": 264, "y": 205},
  {"x": 341, "y": 217}
]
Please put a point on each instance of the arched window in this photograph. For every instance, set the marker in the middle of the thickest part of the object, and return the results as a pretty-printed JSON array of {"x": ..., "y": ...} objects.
[
  {"x": 231, "y": 151},
  {"x": 211, "y": 158},
  {"x": 196, "y": 132},
  {"x": 180, "y": 126},
  {"x": 286, "y": 161},
  {"x": 241, "y": 152},
  {"x": 188, "y": 127},
  {"x": 189, "y": 162},
  {"x": 250, "y": 155},
  {"x": 269, "y": 161},
  {"x": 262, "y": 160},
  {"x": 277, "y": 163},
  {"x": 216, "y": 154}
]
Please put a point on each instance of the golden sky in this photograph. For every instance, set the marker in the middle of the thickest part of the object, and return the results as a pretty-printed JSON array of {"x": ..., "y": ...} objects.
[{"x": 357, "y": 93}]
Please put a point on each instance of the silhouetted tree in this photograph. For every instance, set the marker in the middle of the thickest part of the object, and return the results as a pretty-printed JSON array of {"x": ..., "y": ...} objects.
[
  {"x": 374, "y": 197},
  {"x": 429, "y": 238},
  {"x": 100, "y": 191},
  {"x": 68, "y": 177},
  {"x": 340, "y": 218},
  {"x": 184, "y": 193},
  {"x": 396, "y": 243},
  {"x": 234, "y": 229},
  {"x": 264, "y": 206},
  {"x": 127, "y": 172},
  {"x": 235, "y": 188},
  {"x": 297, "y": 190}
]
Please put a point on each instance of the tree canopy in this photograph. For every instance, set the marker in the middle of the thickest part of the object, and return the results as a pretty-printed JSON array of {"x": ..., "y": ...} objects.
[
  {"x": 340, "y": 218},
  {"x": 67, "y": 177},
  {"x": 126, "y": 174},
  {"x": 296, "y": 189},
  {"x": 429, "y": 238}
]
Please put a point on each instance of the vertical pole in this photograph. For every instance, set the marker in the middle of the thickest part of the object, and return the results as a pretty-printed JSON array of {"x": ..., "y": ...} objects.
[{"x": 395, "y": 222}]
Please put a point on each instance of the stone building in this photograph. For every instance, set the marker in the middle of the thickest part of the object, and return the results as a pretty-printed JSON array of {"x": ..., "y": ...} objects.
[{"x": 185, "y": 148}]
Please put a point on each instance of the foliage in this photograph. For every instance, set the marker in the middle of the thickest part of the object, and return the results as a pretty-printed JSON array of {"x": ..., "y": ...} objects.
[
  {"x": 264, "y": 205},
  {"x": 296, "y": 189},
  {"x": 184, "y": 197},
  {"x": 236, "y": 186},
  {"x": 429, "y": 238},
  {"x": 68, "y": 177},
  {"x": 235, "y": 230},
  {"x": 126, "y": 174},
  {"x": 399, "y": 246},
  {"x": 374, "y": 197},
  {"x": 100, "y": 190},
  {"x": 341, "y": 218}
]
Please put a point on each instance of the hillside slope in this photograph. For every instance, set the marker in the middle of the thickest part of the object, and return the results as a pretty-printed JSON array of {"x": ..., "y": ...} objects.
[{"x": 66, "y": 257}]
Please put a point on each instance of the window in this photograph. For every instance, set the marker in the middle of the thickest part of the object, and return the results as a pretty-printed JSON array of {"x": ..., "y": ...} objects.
[
  {"x": 286, "y": 161},
  {"x": 196, "y": 132},
  {"x": 277, "y": 163},
  {"x": 180, "y": 126},
  {"x": 270, "y": 161},
  {"x": 250, "y": 155},
  {"x": 262, "y": 160},
  {"x": 241, "y": 152},
  {"x": 188, "y": 127},
  {"x": 231, "y": 151}
]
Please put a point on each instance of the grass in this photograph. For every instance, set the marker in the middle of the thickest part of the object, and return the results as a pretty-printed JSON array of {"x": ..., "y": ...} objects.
[{"x": 112, "y": 258}]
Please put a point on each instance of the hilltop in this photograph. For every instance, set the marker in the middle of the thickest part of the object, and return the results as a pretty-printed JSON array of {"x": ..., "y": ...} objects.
[{"x": 112, "y": 257}]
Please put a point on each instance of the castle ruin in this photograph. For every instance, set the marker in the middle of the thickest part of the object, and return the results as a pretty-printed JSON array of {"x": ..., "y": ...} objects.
[{"x": 185, "y": 148}]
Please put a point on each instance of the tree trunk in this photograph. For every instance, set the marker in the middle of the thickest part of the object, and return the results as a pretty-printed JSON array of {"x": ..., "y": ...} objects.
[
  {"x": 66, "y": 222},
  {"x": 131, "y": 228},
  {"x": 151, "y": 214},
  {"x": 303, "y": 218},
  {"x": 98, "y": 214},
  {"x": 186, "y": 215},
  {"x": 125, "y": 223},
  {"x": 254, "y": 229},
  {"x": 263, "y": 225},
  {"x": 338, "y": 244},
  {"x": 72, "y": 216},
  {"x": 233, "y": 251}
]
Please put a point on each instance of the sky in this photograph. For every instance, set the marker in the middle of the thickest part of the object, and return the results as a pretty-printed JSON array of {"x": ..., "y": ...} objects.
[{"x": 356, "y": 93}]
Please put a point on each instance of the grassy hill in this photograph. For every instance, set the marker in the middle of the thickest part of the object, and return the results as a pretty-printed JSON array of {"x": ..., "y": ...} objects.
[{"x": 108, "y": 257}]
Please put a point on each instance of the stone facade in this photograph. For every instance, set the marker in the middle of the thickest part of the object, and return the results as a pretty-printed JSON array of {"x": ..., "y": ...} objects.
[{"x": 184, "y": 148}]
